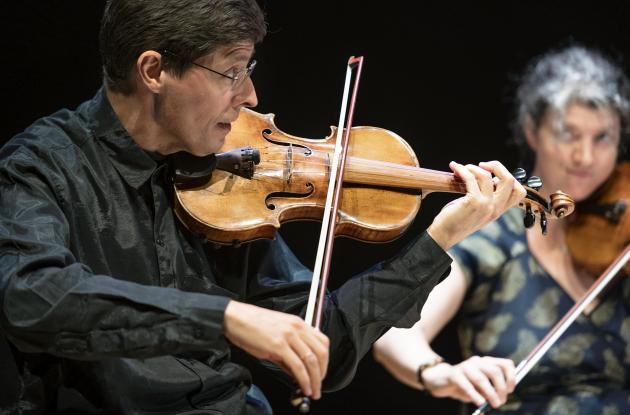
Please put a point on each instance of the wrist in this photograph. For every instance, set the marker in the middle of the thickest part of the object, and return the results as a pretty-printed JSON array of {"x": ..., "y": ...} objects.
[
  {"x": 440, "y": 238},
  {"x": 436, "y": 360},
  {"x": 231, "y": 316}
]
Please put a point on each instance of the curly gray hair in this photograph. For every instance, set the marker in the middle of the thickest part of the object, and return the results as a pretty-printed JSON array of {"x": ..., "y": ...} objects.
[{"x": 571, "y": 75}]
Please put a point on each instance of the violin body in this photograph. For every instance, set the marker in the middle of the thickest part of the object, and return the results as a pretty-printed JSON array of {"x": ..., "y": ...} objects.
[
  {"x": 291, "y": 181},
  {"x": 600, "y": 230}
]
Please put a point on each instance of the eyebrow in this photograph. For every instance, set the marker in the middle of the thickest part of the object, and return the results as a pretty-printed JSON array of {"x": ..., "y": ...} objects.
[{"x": 239, "y": 48}]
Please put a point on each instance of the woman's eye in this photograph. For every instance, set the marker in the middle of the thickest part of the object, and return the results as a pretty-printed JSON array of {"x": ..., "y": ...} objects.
[
  {"x": 567, "y": 135},
  {"x": 603, "y": 137}
]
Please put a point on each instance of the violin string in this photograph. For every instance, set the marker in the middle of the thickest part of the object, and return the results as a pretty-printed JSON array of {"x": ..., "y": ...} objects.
[
  {"x": 301, "y": 163},
  {"x": 314, "y": 157},
  {"x": 263, "y": 176},
  {"x": 354, "y": 162},
  {"x": 272, "y": 150}
]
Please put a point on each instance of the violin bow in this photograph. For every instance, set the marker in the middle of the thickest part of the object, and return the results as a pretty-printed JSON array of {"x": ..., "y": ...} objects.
[
  {"x": 561, "y": 326},
  {"x": 321, "y": 269}
]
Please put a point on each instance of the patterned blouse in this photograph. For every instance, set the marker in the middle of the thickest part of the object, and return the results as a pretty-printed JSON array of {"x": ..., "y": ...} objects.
[{"x": 511, "y": 304}]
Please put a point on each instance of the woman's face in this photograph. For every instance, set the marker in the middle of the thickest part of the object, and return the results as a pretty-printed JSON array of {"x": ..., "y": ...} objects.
[{"x": 576, "y": 151}]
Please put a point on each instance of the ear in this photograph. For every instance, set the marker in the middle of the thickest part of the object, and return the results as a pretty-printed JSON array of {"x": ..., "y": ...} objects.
[
  {"x": 149, "y": 69},
  {"x": 531, "y": 135}
]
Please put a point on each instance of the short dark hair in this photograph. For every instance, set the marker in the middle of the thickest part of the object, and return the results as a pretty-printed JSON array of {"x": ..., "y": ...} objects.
[
  {"x": 574, "y": 74},
  {"x": 187, "y": 28}
]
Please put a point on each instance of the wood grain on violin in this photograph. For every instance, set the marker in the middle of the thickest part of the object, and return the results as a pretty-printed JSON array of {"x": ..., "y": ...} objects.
[{"x": 601, "y": 228}]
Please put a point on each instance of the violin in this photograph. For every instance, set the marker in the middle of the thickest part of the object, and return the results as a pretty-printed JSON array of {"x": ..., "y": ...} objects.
[
  {"x": 264, "y": 177},
  {"x": 600, "y": 229}
]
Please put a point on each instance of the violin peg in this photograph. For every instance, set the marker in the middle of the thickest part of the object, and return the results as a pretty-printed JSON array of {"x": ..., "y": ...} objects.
[
  {"x": 519, "y": 174},
  {"x": 534, "y": 182},
  {"x": 305, "y": 407},
  {"x": 543, "y": 223},
  {"x": 529, "y": 219},
  {"x": 301, "y": 402}
]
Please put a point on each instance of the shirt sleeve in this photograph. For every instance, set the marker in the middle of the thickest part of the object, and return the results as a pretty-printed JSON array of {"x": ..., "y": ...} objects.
[
  {"x": 390, "y": 293},
  {"x": 51, "y": 303}
]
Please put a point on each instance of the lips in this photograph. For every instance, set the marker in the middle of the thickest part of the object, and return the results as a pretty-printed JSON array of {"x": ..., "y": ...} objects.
[{"x": 580, "y": 173}]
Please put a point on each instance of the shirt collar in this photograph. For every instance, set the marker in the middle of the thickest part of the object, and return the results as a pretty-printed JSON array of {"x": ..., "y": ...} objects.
[{"x": 133, "y": 163}]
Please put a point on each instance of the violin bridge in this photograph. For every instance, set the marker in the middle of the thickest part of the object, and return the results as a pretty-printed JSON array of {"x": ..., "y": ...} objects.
[{"x": 288, "y": 172}]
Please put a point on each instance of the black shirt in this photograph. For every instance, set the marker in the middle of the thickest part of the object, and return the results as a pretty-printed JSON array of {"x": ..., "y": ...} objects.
[{"x": 103, "y": 290}]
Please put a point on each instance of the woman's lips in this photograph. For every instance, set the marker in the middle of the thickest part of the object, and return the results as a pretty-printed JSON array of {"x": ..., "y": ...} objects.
[{"x": 580, "y": 173}]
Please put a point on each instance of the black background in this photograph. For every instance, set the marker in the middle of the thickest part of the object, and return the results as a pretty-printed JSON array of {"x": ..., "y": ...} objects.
[{"x": 439, "y": 74}]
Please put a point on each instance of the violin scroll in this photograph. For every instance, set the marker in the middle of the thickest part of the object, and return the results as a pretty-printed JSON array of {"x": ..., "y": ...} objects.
[{"x": 559, "y": 205}]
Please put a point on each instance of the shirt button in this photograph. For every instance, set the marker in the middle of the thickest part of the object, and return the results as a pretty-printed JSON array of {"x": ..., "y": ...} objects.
[{"x": 159, "y": 242}]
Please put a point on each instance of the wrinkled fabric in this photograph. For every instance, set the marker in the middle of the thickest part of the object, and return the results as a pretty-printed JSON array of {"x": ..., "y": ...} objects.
[
  {"x": 104, "y": 292},
  {"x": 512, "y": 303}
]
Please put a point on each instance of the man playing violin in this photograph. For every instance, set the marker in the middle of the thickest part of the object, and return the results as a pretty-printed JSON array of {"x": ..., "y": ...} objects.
[
  {"x": 105, "y": 293},
  {"x": 509, "y": 286}
]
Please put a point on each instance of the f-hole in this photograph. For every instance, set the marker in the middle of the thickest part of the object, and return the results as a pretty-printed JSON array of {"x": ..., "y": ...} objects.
[
  {"x": 309, "y": 191},
  {"x": 267, "y": 132}
]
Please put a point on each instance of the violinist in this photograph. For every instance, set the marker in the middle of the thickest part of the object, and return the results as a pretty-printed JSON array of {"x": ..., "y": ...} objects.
[
  {"x": 109, "y": 299},
  {"x": 508, "y": 286}
]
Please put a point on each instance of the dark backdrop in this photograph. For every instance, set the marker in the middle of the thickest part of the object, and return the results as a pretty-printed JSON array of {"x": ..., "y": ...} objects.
[{"x": 440, "y": 74}]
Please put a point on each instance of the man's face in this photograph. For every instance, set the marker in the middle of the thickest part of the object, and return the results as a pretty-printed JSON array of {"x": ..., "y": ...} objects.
[{"x": 196, "y": 111}]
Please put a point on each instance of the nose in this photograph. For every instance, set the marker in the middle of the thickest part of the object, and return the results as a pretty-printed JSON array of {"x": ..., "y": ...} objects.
[
  {"x": 583, "y": 152},
  {"x": 246, "y": 95}
]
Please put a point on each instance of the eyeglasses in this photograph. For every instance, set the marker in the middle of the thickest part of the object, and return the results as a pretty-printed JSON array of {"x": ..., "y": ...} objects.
[{"x": 237, "y": 77}]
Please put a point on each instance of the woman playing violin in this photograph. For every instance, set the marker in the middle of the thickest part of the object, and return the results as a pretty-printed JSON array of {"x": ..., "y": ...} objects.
[
  {"x": 508, "y": 286},
  {"x": 104, "y": 292}
]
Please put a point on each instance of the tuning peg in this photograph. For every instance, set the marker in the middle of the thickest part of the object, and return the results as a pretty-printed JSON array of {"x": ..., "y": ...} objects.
[
  {"x": 543, "y": 223},
  {"x": 529, "y": 219},
  {"x": 534, "y": 182},
  {"x": 302, "y": 403},
  {"x": 519, "y": 174}
]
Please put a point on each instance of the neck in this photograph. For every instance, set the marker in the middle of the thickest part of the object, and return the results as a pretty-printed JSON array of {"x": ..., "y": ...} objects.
[
  {"x": 137, "y": 115},
  {"x": 380, "y": 173},
  {"x": 553, "y": 240}
]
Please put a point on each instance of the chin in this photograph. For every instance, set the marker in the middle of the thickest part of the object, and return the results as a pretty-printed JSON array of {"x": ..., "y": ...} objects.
[
  {"x": 579, "y": 193},
  {"x": 216, "y": 144},
  {"x": 205, "y": 150},
  {"x": 578, "y": 198}
]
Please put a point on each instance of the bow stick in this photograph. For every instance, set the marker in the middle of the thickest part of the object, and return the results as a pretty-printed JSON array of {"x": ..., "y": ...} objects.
[{"x": 321, "y": 270}]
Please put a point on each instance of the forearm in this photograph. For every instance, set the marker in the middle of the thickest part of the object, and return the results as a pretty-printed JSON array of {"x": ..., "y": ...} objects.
[
  {"x": 391, "y": 294},
  {"x": 402, "y": 351},
  {"x": 72, "y": 313},
  {"x": 359, "y": 312}
]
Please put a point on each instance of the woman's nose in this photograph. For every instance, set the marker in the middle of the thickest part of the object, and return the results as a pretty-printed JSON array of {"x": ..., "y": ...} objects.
[{"x": 583, "y": 152}]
